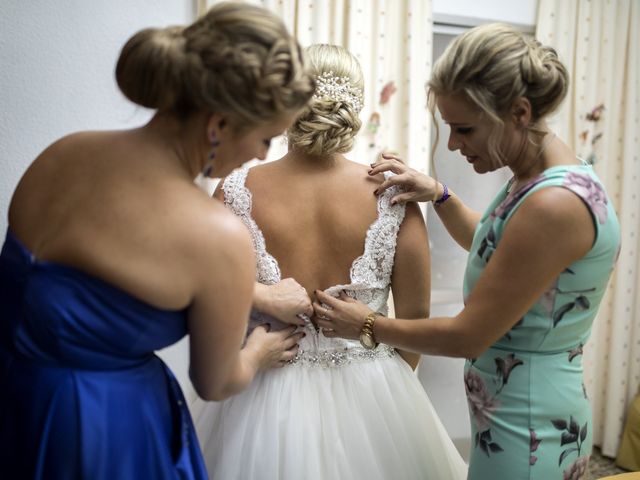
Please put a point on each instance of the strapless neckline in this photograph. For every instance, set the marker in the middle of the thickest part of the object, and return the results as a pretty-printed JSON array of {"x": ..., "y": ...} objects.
[{"x": 53, "y": 265}]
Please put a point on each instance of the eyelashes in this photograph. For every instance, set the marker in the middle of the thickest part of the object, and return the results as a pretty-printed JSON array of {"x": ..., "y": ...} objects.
[{"x": 464, "y": 130}]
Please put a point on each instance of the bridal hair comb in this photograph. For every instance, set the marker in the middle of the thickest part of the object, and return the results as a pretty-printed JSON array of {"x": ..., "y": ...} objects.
[{"x": 338, "y": 89}]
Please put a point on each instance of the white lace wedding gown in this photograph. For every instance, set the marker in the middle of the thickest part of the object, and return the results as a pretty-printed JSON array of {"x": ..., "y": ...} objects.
[{"x": 337, "y": 411}]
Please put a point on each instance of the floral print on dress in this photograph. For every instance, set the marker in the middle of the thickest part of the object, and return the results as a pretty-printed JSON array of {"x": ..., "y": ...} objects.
[
  {"x": 574, "y": 352},
  {"x": 574, "y": 435},
  {"x": 504, "y": 366},
  {"x": 482, "y": 404},
  {"x": 503, "y": 209},
  {"x": 580, "y": 303},
  {"x": 577, "y": 470},
  {"x": 533, "y": 446},
  {"x": 512, "y": 438},
  {"x": 590, "y": 191},
  {"x": 487, "y": 246}
]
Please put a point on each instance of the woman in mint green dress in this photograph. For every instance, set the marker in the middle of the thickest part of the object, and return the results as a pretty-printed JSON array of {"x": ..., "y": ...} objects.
[{"x": 539, "y": 260}]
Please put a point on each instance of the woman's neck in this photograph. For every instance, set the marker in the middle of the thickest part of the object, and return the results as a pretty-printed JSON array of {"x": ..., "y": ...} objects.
[
  {"x": 302, "y": 161},
  {"x": 534, "y": 160},
  {"x": 181, "y": 139}
]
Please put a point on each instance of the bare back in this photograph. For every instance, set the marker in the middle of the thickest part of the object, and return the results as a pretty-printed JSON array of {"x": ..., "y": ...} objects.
[
  {"x": 314, "y": 221},
  {"x": 107, "y": 204}
]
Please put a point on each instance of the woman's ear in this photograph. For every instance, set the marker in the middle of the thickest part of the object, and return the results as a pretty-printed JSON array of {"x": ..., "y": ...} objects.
[
  {"x": 217, "y": 127},
  {"x": 521, "y": 111}
]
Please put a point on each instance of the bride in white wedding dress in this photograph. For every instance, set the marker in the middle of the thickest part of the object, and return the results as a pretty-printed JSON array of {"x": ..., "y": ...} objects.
[{"x": 339, "y": 410}]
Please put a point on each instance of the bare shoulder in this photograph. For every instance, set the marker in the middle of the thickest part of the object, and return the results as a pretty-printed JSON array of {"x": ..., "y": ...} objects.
[
  {"x": 213, "y": 237},
  {"x": 554, "y": 214},
  {"x": 70, "y": 144},
  {"x": 50, "y": 157},
  {"x": 213, "y": 223},
  {"x": 47, "y": 175},
  {"x": 362, "y": 171},
  {"x": 555, "y": 206}
]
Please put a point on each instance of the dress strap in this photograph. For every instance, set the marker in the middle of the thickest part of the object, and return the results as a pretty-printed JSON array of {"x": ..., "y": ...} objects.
[
  {"x": 238, "y": 198},
  {"x": 374, "y": 266}
]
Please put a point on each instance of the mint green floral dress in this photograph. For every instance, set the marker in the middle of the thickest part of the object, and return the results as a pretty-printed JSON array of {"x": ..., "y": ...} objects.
[{"x": 530, "y": 416}]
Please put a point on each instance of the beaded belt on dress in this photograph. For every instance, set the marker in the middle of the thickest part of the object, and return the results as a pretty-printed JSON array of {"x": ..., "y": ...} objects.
[{"x": 342, "y": 357}]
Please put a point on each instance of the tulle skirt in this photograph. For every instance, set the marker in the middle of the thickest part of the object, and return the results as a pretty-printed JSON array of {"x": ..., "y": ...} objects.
[{"x": 359, "y": 416}]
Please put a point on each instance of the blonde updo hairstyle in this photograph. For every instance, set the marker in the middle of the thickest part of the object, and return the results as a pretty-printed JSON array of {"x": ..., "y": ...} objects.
[
  {"x": 328, "y": 126},
  {"x": 237, "y": 60},
  {"x": 491, "y": 66}
]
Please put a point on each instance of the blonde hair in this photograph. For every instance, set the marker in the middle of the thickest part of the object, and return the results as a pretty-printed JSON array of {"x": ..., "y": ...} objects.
[
  {"x": 491, "y": 66},
  {"x": 329, "y": 124},
  {"x": 237, "y": 60}
]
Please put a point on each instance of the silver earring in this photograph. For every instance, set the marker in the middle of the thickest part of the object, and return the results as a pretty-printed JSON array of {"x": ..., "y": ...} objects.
[{"x": 215, "y": 143}]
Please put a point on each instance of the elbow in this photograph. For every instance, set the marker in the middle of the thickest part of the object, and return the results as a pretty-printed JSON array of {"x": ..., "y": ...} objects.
[
  {"x": 473, "y": 348},
  {"x": 215, "y": 396},
  {"x": 211, "y": 394},
  {"x": 472, "y": 351},
  {"x": 207, "y": 391},
  {"x": 465, "y": 340},
  {"x": 468, "y": 345}
]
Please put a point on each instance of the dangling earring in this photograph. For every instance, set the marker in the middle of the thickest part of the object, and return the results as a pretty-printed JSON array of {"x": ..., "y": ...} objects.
[{"x": 215, "y": 143}]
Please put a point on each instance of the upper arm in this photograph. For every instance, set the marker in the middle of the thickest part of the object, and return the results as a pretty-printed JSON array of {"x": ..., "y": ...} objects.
[
  {"x": 219, "y": 313},
  {"x": 411, "y": 279},
  {"x": 549, "y": 231}
]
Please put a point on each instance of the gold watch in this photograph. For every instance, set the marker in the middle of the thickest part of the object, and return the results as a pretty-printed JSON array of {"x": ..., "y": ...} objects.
[{"x": 367, "y": 339}]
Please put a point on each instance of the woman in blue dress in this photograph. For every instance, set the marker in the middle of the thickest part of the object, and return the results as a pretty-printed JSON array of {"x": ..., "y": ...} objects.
[
  {"x": 112, "y": 253},
  {"x": 539, "y": 260}
]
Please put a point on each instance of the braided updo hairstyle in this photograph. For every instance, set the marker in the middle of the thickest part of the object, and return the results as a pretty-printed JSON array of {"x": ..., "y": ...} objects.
[
  {"x": 491, "y": 66},
  {"x": 329, "y": 124},
  {"x": 237, "y": 60}
]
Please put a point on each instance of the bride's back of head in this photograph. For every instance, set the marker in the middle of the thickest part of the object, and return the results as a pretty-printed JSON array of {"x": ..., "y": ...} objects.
[{"x": 330, "y": 122}]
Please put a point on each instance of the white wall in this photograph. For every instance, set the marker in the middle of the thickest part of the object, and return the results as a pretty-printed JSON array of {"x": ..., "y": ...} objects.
[
  {"x": 518, "y": 12},
  {"x": 57, "y": 62}
]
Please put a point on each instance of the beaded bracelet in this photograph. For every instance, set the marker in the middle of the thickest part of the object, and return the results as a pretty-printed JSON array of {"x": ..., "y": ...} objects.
[{"x": 445, "y": 195}]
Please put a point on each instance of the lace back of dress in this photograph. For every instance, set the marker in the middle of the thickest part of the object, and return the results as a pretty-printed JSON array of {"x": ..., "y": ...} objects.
[
  {"x": 370, "y": 275},
  {"x": 238, "y": 198},
  {"x": 371, "y": 272},
  {"x": 375, "y": 265}
]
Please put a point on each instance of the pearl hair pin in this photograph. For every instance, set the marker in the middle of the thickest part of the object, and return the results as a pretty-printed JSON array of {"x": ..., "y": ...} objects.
[{"x": 338, "y": 89}]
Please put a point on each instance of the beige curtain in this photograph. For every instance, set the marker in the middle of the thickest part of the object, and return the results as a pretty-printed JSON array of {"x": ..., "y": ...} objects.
[
  {"x": 599, "y": 41},
  {"x": 393, "y": 43}
]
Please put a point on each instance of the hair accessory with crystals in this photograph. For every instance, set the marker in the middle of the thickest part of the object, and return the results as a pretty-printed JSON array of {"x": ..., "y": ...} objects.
[{"x": 338, "y": 89}]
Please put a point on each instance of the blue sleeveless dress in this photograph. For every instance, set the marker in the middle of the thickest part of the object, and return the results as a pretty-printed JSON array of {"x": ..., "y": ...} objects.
[
  {"x": 82, "y": 394},
  {"x": 530, "y": 415}
]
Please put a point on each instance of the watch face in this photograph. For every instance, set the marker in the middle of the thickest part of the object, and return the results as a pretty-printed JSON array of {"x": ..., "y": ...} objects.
[{"x": 367, "y": 341}]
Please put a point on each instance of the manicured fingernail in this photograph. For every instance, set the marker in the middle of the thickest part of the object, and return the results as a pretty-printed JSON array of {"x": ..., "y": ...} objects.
[{"x": 375, "y": 192}]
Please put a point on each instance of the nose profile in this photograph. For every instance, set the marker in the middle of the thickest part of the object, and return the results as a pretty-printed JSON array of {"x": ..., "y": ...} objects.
[{"x": 453, "y": 144}]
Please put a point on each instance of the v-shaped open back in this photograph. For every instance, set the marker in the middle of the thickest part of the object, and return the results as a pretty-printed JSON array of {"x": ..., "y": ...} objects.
[{"x": 370, "y": 271}]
